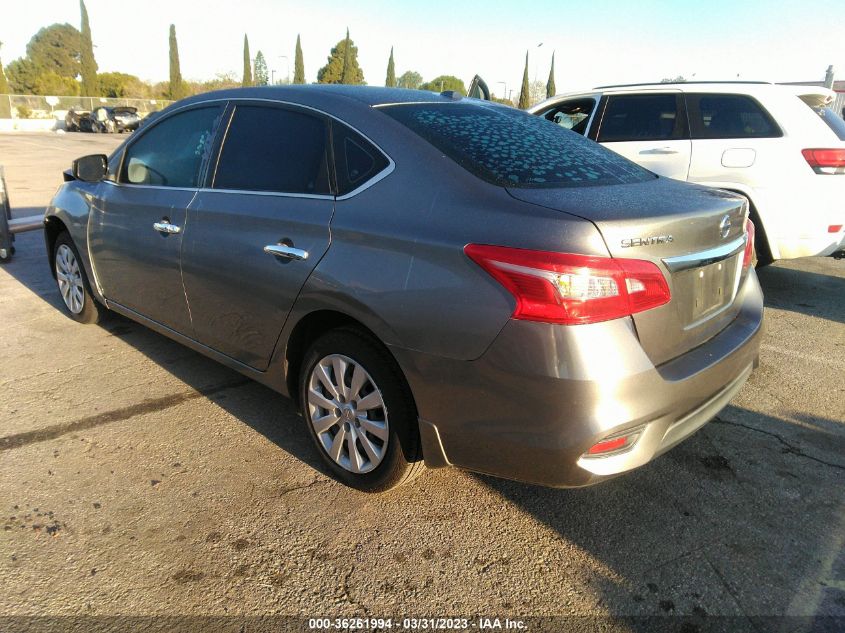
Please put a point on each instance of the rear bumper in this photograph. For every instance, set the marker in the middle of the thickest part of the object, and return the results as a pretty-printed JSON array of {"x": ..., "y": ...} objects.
[{"x": 541, "y": 395}]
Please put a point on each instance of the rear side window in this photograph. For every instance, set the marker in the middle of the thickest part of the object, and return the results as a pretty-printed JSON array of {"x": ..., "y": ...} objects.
[
  {"x": 729, "y": 116},
  {"x": 274, "y": 149},
  {"x": 172, "y": 152},
  {"x": 833, "y": 120},
  {"x": 511, "y": 148},
  {"x": 356, "y": 159},
  {"x": 641, "y": 118}
]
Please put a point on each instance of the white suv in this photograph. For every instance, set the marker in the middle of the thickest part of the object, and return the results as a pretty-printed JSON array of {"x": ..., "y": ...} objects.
[{"x": 780, "y": 146}]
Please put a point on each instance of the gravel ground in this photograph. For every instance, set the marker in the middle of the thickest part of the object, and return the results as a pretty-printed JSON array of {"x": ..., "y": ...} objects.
[{"x": 137, "y": 477}]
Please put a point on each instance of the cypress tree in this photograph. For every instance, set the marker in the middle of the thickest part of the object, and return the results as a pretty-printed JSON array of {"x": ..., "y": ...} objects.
[
  {"x": 4, "y": 85},
  {"x": 88, "y": 65},
  {"x": 390, "y": 82},
  {"x": 247, "y": 80},
  {"x": 298, "y": 64},
  {"x": 348, "y": 75},
  {"x": 176, "y": 88},
  {"x": 524, "y": 98},
  {"x": 551, "y": 91}
]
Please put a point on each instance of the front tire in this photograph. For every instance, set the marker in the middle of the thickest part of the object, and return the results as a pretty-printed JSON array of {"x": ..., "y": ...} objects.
[
  {"x": 73, "y": 283},
  {"x": 359, "y": 411}
]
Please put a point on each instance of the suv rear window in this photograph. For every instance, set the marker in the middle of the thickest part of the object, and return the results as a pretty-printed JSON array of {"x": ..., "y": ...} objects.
[
  {"x": 511, "y": 148},
  {"x": 833, "y": 120},
  {"x": 729, "y": 116}
]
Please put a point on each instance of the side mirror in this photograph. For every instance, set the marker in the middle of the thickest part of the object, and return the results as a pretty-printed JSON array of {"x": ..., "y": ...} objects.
[{"x": 92, "y": 168}]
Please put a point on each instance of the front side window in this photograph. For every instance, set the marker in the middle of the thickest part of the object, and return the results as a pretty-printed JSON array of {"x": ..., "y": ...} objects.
[
  {"x": 356, "y": 159},
  {"x": 511, "y": 148},
  {"x": 652, "y": 117},
  {"x": 729, "y": 116},
  {"x": 573, "y": 115},
  {"x": 274, "y": 149},
  {"x": 171, "y": 153}
]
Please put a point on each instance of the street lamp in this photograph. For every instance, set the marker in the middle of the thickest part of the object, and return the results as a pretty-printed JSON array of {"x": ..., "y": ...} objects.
[
  {"x": 535, "y": 61},
  {"x": 287, "y": 66},
  {"x": 505, "y": 84}
]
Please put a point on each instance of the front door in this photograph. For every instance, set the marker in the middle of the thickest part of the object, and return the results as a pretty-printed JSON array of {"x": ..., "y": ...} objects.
[
  {"x": 138, "y": 221},
  {"x": 649, "y": 129},
  {"x": 259, "y": 230}
]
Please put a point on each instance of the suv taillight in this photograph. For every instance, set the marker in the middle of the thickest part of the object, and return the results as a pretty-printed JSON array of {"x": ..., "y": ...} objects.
[
  {"x": 572, "y": 289},
  {"x": 825, "y": 161},
  {"x": 748, "y": 255}
]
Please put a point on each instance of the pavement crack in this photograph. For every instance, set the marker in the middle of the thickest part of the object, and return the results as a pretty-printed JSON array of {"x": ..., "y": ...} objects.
[
  {"x": 729, "y": 589},
  {"x": 117, "y": 415},
  {"x": 790, "y": 448}
]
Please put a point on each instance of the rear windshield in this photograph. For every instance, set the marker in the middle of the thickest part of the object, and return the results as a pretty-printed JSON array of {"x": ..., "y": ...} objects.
[
  {"x": 510, "y": 148},
  {"x": 833, "y": 120}
]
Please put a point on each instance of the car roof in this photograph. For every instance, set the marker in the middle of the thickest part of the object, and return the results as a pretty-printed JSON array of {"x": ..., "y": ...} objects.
[{"x": 309, "y": 93}]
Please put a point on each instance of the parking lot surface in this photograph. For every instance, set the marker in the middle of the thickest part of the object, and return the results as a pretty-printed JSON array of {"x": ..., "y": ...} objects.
[{"x": 139, "y": 477}]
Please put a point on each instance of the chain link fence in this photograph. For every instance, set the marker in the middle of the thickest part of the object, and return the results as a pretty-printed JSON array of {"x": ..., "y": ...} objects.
[{"x": 37, "y": 107}]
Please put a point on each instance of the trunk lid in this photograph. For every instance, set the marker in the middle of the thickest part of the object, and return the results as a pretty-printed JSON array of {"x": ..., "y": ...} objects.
[{"x": 695, "y": 235}]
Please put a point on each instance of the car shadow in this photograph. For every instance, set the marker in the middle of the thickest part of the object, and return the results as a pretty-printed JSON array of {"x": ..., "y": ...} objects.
[
  {"x": 805, "y": 292},
  {"x": 690, "y": 533}
]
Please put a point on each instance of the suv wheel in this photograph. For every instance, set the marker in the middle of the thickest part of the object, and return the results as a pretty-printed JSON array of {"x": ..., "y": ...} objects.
[
  {"x": 72, "y": 282},
  {"x": 359, "y": 412}
]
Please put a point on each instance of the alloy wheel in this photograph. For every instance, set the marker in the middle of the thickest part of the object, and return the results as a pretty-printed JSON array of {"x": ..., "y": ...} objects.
[
  {"x": 69, "y": 278},
  {"x": 347, "y": 412}
]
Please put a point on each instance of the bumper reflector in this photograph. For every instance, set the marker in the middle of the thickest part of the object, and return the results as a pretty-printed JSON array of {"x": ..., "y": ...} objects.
[{"x": 614, "y": 444}]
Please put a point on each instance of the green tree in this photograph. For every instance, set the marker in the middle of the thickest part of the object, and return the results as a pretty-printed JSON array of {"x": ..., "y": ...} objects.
[
  {"x": 4, "y": 84},
  {"x": 22, "y": 75},
  {"x": 56, "y": 48},
  {"x": 342, "y": 65},
  {"x": 298, "y": 64},
  {"x": 390, "y": 81},
  {"x": 262, "y": 76},
  {"x": 444, "y": 83},
  {"x": 117, "y": 85},
  {"x": 410, "y": 79},
  {"x": 52, "y": 83},
  {"x": 524, "y": 93},
  {"x": 176, "y": 90},
  {"x": 247, "y": 77},
  {"x": 551, "y": 91},
  {"x": 88, "y": 65}
]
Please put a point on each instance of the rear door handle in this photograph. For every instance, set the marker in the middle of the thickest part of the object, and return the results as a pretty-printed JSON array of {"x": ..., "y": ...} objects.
[
  {"x": 659, "y": 150},
  {"x": 283, "y": 251},
  {"x": 167, "y": 228}
]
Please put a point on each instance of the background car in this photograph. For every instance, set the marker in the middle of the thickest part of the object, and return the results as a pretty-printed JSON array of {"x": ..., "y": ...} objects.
[
  {"x": 429, "y": 277},
  {"x": 73, "y": 119},
  {"x": 104, "y": 119},
  {"x": 780, "y": 146}
]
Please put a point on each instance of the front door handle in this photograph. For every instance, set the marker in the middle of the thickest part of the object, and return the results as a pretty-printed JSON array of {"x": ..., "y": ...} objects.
[
  {"x": 167, "y": 228},
  {"x": 659, "y": 150},
  {"x": 283, "y": 251}
]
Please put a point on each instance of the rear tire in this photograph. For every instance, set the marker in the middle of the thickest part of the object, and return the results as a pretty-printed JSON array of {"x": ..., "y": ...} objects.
[
  {"x": 74, "y": 289},
  {"x": 359, "y": 411}
]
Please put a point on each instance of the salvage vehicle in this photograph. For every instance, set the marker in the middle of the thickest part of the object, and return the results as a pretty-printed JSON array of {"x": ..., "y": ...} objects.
[
  {"x": 432, "y": 279},
  {"x": 105, "y": 119},
  {"x": 782, "y": 147}
]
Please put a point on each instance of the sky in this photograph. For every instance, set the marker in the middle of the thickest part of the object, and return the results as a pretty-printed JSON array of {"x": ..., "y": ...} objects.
[{"x": 596, "y": 42}]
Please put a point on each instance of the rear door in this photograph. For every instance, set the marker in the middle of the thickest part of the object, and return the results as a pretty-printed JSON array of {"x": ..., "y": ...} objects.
[
  {"x": 650, "y": 129},
  {"x": 258, "y": 228}
]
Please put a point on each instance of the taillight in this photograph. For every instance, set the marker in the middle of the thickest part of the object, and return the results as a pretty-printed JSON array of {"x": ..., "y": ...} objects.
[
  {"x": 825, "y": 161},
  {"x": 748, "y": 255},
  {"x": 834, "y": 228},
  {"x": 572, "y": 289}
]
